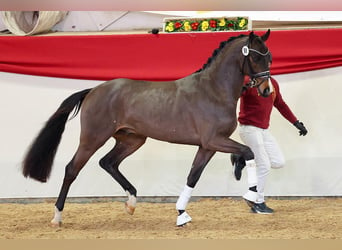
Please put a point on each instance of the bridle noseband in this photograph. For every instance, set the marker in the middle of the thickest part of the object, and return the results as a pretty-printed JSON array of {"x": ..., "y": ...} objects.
[{"x": 252, "y": 83}]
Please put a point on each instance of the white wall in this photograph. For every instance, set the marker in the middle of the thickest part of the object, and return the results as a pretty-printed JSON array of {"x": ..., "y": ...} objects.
[
  {"x": 159, "y": 168},
  {"x": 135, "y": 20},
  {"x": 264, "y": 15},
  {"x": 145, "y": 20}
]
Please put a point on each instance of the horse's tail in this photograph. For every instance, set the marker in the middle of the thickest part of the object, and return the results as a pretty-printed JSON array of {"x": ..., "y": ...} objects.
[{"x": 38, "y": 161}]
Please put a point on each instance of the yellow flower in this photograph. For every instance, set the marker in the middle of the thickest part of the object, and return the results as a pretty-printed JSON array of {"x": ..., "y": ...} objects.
[
  {"x": 187, "y": 26},
  {"x": 204, "y": 25},
  {"x": 242, "y": 23},
  {"x": 169, "y": 27},
  {"x": 222, "y": 22}
]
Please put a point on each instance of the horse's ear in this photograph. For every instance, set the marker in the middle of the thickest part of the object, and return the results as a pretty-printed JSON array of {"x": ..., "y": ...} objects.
[
  {"x": 265, "y": 36},
  {"x": 251, "y": 36}
]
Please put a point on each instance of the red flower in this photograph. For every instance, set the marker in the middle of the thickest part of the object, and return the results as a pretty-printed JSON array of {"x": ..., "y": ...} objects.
[
  {"x": 194, "y": 25},
  {"x": 212, "y": 23},
  {"x": 178, "y": 25},
  {"x": 230, "y": 25}
]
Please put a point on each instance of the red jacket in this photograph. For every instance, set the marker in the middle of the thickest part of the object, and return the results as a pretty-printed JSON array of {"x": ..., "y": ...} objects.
[{"x": 256, "y": 110}]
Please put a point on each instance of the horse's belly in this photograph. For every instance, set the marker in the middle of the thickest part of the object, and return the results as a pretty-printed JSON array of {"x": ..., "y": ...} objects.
[{"x": 179, "y": 136}]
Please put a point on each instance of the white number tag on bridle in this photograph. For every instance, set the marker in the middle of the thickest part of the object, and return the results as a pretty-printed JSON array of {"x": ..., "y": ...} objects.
[{"x": 245, "y": 50}]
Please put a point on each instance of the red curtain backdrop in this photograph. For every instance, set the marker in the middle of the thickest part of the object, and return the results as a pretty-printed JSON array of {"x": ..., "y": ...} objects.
[{"x": 158, "y": 57}]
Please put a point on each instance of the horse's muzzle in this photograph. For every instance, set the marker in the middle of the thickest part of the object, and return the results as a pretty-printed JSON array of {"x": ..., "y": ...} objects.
[{"x": 265, "y": 93}]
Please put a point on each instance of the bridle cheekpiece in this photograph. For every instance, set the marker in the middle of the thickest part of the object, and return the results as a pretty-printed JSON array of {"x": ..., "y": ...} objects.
[{"x": 254, "y": 76}]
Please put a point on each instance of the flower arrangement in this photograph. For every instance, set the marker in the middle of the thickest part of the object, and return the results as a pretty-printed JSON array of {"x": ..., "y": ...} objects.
[{"x": 205, "y": 24}]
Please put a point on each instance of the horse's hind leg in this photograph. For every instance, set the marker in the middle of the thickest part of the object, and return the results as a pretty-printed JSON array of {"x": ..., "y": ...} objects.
[
  {"x": 82, "y": 155},
  {"x": 126, "y": 144}
]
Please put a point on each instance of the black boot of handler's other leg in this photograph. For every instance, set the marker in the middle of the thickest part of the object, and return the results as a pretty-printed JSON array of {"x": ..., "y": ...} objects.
[{"x": 238, "y": 163}]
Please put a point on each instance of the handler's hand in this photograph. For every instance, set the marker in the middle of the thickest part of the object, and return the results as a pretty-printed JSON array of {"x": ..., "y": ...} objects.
[{"x": 302, "y": 130}]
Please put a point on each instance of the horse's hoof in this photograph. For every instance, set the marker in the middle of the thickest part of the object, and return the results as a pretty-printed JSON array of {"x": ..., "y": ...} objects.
[
  {"x": 183, "y": 219},
  {"x": 129, "y": 209},
  {"x": 183, "y": 225},
  {"x": 55, "y": 223}
]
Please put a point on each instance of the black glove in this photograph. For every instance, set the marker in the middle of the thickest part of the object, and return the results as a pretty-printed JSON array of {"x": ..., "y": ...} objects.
[{"x": 299, "y": 125}]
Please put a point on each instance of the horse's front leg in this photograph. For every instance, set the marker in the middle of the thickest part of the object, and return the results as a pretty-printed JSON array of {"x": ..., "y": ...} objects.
[
  {"x": 201, "y": 159},
  {"x": 228, "y": 145}
]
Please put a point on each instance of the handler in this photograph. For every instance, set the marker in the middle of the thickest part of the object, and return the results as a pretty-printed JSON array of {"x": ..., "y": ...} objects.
[{"x": 254, "y": 119}]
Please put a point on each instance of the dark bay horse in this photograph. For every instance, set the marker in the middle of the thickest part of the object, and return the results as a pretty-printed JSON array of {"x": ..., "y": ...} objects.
[{"x": 199, "y": 110}]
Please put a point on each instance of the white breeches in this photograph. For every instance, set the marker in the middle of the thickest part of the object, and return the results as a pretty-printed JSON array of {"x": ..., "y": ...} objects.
[{"x": 266, "y": 151}]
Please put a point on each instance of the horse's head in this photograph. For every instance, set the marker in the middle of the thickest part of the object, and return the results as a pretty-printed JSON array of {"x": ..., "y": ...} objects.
[{"x": 256, "y": 62}]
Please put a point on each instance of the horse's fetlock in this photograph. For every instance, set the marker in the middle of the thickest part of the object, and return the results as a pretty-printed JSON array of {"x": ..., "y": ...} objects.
[{"x": 131, "y": 191}]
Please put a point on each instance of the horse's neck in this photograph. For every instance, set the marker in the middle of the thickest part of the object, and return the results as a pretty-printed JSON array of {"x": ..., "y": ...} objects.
[{"x": 224, "y": 78}]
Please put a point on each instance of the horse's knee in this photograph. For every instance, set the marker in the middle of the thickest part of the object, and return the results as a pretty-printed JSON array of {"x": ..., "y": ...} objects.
[{"x": 247, "y": 154}]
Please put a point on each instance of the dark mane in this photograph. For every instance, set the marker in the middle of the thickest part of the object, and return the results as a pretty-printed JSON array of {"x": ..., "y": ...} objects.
[{"x": 217, "y": 51}]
